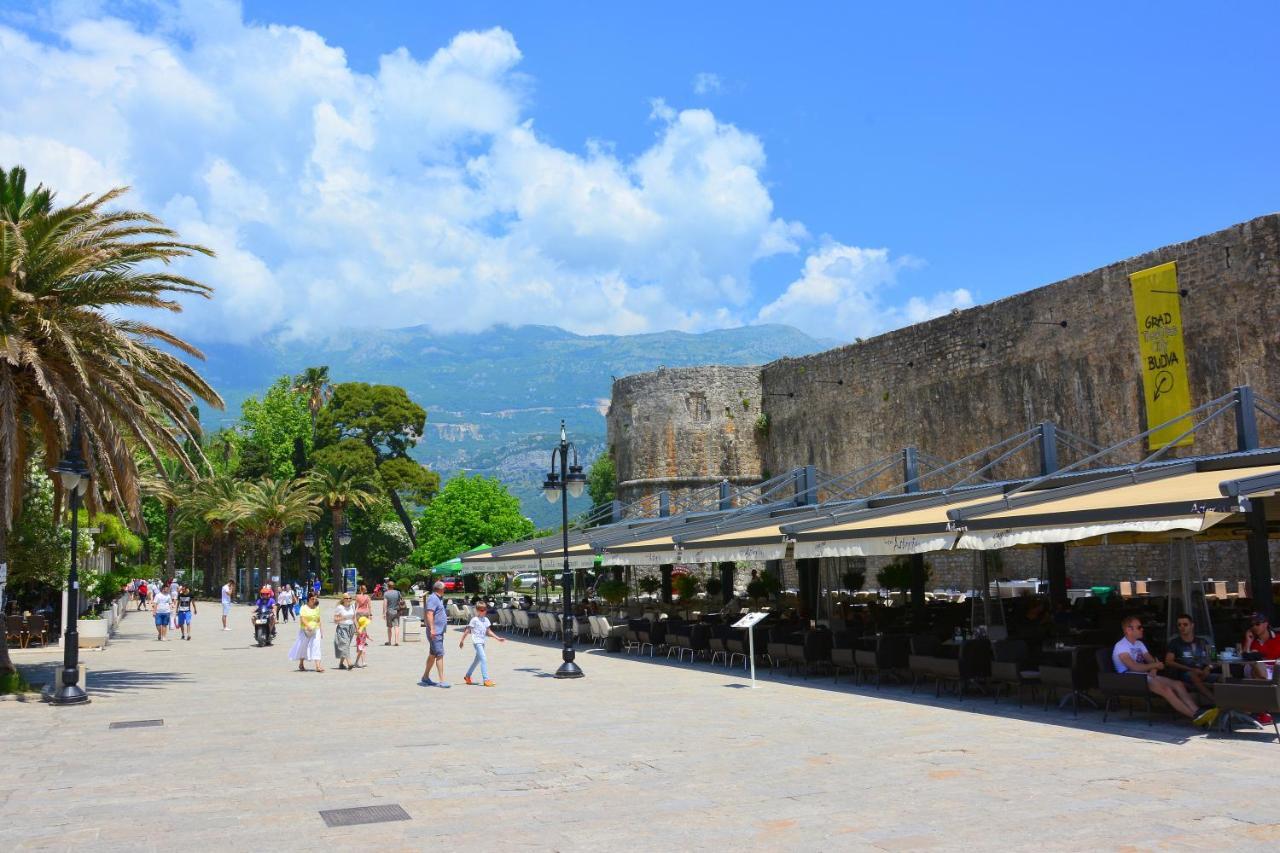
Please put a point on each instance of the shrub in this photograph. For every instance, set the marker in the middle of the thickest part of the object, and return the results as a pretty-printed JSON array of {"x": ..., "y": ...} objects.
[
  {"x": 714, "y": 587},
  {"x": 614, "y": 592},
  {"x": 686, "y": 586},
  {"x": 897, "y": 575},
  {"x": 757, "y": 590},
  {"x": 853, "y": 579},
  {"x": 649, "y": 584}
]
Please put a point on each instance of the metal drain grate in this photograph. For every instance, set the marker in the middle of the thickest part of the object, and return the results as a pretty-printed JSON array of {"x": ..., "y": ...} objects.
[
  {"x": 364, "y": 814},
  {"x": 136, "y": 724}
]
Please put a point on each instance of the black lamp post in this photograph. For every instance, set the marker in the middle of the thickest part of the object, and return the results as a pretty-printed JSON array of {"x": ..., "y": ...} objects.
[
  {"x": 309, "y": 542},
  {"x": 562, "y": 483},
  {"x": 74, "y": 476},
  {"x": 344, "y": 539}
]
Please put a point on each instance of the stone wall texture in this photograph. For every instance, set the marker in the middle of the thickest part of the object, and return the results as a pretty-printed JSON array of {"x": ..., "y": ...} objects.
[
  {"x": 684, "y": 430},
  {"x": 957, "y": 384}
]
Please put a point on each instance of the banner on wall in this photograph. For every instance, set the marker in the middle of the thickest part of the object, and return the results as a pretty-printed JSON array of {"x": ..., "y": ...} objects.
[{"x": 1157, "y": 307}]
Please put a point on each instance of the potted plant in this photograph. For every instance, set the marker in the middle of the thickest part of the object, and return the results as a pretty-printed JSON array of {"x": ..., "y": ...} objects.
[
  {"x": 613, "y": 592},
  {"x": 714, "y": 587},
  {"x": 649, "y": 584},
  {"x": 686, "y": 586},
  {"x": 853, "y": 579}
]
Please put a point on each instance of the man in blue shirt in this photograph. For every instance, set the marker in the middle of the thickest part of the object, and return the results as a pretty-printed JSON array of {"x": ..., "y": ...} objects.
[{"x": 436, "y": 621}]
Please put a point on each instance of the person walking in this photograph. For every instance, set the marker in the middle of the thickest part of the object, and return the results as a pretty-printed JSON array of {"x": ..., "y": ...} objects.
[
  {"x": 391, "y": 599},
  {"x": 480, "y": 630},
  {"x": 228, "y": 591},
  {"x": 344, "y": 617},
  {"x": 362, "y": 640},
  {"x": 173, "y": 588},
  {"x": 142, "y": 594},
  {"x": 364, "y": 604},
  {"x": 161, "y": 607},
  {"x": 186, "y": 608},
  {"x": 434, "y": 614},
  {"x": 309, "y": 645},
  {"x": 284, "y": 603}
]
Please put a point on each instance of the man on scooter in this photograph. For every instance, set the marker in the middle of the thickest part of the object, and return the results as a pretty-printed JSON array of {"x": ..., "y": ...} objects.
[{"x": 265, "y": 604}]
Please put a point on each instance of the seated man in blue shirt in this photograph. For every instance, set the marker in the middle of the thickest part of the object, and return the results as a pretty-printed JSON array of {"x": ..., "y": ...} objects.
[{"x": 1188, "y": 659}]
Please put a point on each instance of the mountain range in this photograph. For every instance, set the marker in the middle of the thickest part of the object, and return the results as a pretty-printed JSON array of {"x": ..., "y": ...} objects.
[{"x": 494, "y": 399}]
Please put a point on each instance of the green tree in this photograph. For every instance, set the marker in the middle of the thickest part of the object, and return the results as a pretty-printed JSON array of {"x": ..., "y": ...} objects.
[
  {"x": 341, "y": 489},
  {"x": 313, "y": 384},
  {"x": 71, "y": 279},
  {"x": 271, "y": 425},
  {"x": 468, "y": 512},
  {"x": 384, "y": 419},
  {"x": 602, "y": 480},
  {"x": 39, "y": 548},
  {"x": 270, "y": 507}
]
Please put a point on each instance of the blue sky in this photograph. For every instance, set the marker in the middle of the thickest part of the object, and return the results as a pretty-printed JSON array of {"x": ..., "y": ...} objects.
[{"x": 626, "y": 167}]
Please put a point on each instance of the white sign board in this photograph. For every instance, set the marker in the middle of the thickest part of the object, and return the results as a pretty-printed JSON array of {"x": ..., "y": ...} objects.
[{"x": 750, "y": 620}]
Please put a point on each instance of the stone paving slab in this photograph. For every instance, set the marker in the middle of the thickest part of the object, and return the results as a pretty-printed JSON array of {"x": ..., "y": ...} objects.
[{"x": 640, "y": 752}]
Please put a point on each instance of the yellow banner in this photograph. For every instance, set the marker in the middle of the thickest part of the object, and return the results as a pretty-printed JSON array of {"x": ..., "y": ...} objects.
[{"x": 1158, "y": 308}]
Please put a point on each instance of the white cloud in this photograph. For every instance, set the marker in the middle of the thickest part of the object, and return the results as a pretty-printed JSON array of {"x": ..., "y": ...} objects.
[
  {"x": 706, "y": 83},
  {"x": 844, "y": 292},
  {"x": 419, "y": 193}
]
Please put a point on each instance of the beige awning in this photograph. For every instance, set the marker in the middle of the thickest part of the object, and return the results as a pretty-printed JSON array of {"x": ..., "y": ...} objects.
[
  {"x": 654, "y": 551},
  {"x": 581, "y": 556},
  {"x": 1189, "y": 502},
  {"x": 912, "y": 527}
]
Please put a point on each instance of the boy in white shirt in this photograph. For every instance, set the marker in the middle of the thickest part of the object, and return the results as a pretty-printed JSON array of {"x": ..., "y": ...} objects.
[
  {"x": 161, "y": 608},
  {"x": 480, "y": 630}
]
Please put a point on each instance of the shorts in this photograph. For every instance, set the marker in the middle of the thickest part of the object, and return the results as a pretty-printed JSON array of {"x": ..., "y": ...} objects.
[
  {"x": 437, "y": 645},
  {"x": 184, "y": 617},
  {"x": 226, "y": 608},
  {"x": 393, "y": 619},
  {"x": 162, "y": 620}
]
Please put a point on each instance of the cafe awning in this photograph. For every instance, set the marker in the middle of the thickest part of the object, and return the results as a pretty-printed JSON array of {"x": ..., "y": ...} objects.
[
  {"x": 908, "y": 527},
  {"x": 581, "y": 555},
  {"x": 1172, "y": 499},
  {"x": 759, "y": 537}
]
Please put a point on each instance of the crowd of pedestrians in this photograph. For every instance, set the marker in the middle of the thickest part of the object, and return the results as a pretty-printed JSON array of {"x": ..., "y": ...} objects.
[{"x": 174, "y": 608}]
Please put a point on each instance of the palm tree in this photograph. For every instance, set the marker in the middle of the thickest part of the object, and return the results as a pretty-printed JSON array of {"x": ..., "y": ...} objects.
[
  {"x": 61, "y": 270},
  {"x": 169, "y": 486},
  {"x": 314, "y": 382},
  {"x": 270, "y": 507},
  {"x": 214, "y": 501},
  {"x": 340, "y": 488}
]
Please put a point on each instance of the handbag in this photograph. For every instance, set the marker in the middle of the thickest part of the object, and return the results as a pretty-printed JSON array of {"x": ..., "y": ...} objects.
[{"x": 402, "y": 609}]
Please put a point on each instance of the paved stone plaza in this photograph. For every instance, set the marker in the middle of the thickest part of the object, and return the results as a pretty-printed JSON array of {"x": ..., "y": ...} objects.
[{"x": 640, "y": 754}]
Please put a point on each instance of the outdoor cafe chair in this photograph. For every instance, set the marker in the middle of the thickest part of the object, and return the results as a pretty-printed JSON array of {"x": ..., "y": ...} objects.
[
  {"x": 631, "y": 638},
  {"x": 520, "y": 621},
  {"x": 37, "y": 630},
  {"x": 1235, "y": 700},
  {"x": 15, "y": 630},
  {"x": 1119, "y": 686},
  {"x": 924, "y": 662},
  {"x": 1077, "y": 678},
  {"x": 718, "y": 643},
  {"x": 596, "y": 636},
  {"x": 1011, "y": 667}
]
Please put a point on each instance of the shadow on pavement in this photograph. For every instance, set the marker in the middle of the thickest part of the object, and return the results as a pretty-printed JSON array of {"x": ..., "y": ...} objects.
[
  {"x": 126, "y": 680},
  {"x": 1089, "y": 720}
]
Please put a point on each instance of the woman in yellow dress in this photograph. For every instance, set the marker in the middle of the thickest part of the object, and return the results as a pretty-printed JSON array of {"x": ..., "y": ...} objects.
[{"x": 309, "y": 645}]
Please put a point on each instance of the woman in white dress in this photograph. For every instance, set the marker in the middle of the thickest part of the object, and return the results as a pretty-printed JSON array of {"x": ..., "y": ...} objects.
[{"x": 309, "y": 645}]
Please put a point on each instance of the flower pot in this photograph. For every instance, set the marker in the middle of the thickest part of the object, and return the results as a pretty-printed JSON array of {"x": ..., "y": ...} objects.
[{"x": 92, "y": 632}]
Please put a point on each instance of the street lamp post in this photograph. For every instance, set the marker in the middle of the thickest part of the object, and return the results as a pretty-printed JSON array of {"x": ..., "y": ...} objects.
[
  {"x": 560, "y": 484},
  {"x": 73, "y": 473},
  {"x": 309, "y": 542}
]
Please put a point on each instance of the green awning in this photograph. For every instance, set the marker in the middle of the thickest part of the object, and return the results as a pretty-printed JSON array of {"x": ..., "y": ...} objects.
[{"x": 453, "y": 565}]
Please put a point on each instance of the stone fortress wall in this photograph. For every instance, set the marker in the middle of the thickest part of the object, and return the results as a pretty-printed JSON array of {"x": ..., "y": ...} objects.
[{"x": 959, "y": 383}]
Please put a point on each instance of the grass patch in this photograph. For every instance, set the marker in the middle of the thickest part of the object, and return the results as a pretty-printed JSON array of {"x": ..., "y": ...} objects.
[{"x": 13, "y": 682}]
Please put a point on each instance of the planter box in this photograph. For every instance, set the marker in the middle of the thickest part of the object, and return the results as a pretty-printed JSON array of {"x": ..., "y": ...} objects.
[{"x": 92, "y": 632}]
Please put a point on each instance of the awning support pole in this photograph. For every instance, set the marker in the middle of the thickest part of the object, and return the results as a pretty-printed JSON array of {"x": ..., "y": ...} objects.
[
  {"x": 1256, "y": 518},
  {"x": 726, "y": 581},
  {"x": 911, "y": 484},
  {"x": 665, "y": 571},
  {"x": 1055, "y": 555}
]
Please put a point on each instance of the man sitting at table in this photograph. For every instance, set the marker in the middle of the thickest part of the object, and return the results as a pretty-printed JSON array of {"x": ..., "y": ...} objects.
[
  {"x": 1188, "y": 658},
  {"x": 1260, "y": 643},
  {"x": 1131, "y": 655}
]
